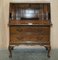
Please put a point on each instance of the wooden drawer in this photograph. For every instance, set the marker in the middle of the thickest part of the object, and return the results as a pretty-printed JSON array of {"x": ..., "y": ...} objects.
[
  {"x": 40, "y": 30},
  {"x": 29, "y": 37},
  {"x": 33, "y": 34}
]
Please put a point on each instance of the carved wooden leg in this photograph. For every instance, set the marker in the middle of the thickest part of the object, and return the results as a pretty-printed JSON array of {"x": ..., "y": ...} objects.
[
  {"x": 10, "y": 50},
  {"x": 49, "y": 49},
  {"x": 46, "y": 48}
]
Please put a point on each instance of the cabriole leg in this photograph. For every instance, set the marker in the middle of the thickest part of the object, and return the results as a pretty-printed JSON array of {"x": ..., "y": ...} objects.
[
  {"x": 10, "y": 48},
  {"x": 49, "y": 49}
]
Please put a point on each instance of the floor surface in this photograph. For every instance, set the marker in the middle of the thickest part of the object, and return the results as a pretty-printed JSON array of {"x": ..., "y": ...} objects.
[{"x": 28, "y": 54}]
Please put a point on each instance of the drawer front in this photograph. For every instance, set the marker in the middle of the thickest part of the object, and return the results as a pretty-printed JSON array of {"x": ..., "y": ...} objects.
[
  {"x": 34, "y": 37},
  {"x": 29, "y": 34},
  {"x": 40, "y": 30}
]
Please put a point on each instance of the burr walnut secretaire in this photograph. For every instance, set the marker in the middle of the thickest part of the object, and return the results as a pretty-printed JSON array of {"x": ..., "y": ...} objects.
[{"x": 29, "y": 23}]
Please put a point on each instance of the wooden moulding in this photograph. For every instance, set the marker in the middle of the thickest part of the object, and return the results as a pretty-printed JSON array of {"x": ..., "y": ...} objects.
[{"x": 32, "y": 22}]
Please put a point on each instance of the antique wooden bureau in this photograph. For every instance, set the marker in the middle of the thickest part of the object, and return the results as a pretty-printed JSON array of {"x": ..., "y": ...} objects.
[{"x": 29, "y": 23}]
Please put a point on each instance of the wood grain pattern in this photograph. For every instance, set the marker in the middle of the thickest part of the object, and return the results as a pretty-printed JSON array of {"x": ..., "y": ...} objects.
[{"x": 36, "y": 34}]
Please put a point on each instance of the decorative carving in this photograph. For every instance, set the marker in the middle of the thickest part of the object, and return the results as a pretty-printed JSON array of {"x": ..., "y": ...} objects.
[{"x": 10, "y": 50}]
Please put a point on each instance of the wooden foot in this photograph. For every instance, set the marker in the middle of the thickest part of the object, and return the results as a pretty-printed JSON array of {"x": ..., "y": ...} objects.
[
  {"x": 49, "y": 49},
  {"x": 10, "y": 50}
]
